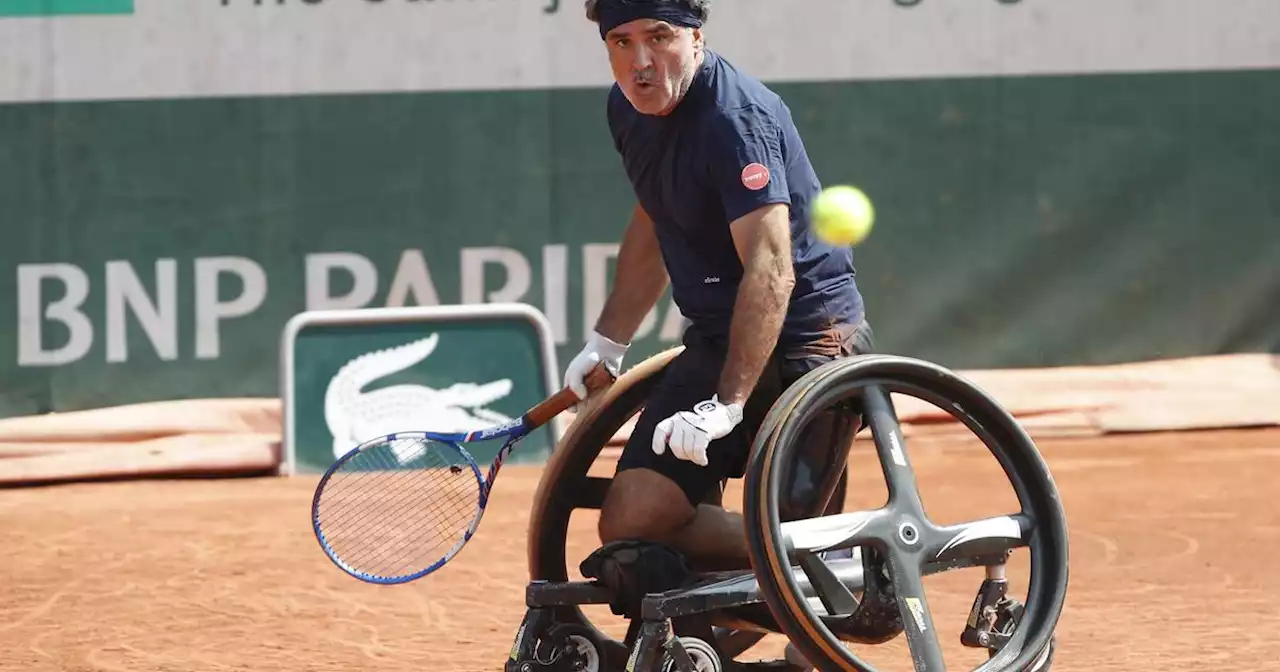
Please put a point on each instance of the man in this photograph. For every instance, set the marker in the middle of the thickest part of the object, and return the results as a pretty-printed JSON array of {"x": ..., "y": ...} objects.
[{"x": 723, "y": 186}]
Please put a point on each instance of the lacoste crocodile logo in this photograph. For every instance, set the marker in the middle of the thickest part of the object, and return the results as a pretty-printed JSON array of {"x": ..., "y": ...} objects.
[{"x": 355, "y": 415}]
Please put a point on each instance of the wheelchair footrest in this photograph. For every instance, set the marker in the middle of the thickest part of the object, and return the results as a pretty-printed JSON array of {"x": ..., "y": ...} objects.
[
  {"x": 565, "y": 593},
  {"x": 708, "y": 592},
  {"x": 727, "y": 590}
]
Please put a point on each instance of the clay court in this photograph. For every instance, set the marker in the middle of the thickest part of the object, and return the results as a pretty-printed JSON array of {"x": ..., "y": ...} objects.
[{"x": 1171, "y": 535}]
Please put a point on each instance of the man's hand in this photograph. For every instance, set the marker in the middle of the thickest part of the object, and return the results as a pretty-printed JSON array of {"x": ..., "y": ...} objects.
[
  {"x": 690, "y": 432},
  {"x": 598, "y": 349}
]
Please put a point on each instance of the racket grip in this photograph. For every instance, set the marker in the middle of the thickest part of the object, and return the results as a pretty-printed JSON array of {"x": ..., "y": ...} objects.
[{"x": 600, "y": 377}]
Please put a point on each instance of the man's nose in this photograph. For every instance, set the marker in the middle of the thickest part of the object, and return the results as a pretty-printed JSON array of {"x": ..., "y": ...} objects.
[{"x": 643, "y": 58}]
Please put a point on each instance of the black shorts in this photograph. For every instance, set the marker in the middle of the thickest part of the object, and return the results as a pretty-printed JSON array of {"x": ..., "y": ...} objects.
[{"x": 694, "y": 375}]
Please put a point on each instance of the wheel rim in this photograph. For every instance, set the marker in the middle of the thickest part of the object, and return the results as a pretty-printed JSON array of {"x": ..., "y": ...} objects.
[
  {"x": 566, "y": 486},
  {"x": 588, "y": 650},
  {"x": 876, "y": 377},
  {"x": 704, "y": 657}
]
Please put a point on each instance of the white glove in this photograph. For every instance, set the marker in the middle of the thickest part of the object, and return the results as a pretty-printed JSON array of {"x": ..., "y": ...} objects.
[
  {"x": 690, "y": 432},
  {"x": 598, "y": 349}
]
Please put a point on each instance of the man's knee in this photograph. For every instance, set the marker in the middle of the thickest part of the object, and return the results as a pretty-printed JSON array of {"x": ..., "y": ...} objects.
[{"x": 643, "y": 504}]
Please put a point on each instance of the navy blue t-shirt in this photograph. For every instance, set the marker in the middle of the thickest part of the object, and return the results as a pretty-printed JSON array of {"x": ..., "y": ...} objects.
[{"x": 729, "y": 148}]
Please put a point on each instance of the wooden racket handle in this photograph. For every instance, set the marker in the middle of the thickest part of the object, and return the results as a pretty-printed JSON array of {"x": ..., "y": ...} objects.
[{"x": 599, "y": 378}]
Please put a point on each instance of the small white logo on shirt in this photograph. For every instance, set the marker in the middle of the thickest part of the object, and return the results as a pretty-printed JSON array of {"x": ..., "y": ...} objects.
[{"x": 710, "y": 281}]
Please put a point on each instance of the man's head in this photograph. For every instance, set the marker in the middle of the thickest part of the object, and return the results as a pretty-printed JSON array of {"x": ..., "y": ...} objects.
[{"x": 654, "y": 46}]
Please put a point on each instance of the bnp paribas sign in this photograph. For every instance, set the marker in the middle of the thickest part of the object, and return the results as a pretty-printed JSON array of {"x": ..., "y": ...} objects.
[{"x": 64, "y": 7}]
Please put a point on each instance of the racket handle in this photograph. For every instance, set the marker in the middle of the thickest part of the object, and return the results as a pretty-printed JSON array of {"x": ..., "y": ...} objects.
[{"x": 599, "y": 378}]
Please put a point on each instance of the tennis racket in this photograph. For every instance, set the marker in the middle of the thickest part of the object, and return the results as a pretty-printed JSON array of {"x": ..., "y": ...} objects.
[{"x": 397, "y": 508}]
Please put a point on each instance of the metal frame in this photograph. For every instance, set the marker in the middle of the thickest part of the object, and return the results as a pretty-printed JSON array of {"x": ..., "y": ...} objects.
[{"x": 415, "y": 314}]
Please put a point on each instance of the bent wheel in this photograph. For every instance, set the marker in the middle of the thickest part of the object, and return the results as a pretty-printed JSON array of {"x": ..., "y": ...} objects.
[
  {"x": 567, "y": 486},
  {"x": 911, "y": 545}
]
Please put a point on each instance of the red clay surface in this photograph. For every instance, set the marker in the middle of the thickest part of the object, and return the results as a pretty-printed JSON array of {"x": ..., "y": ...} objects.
[{"x": 1172, "y": 536}]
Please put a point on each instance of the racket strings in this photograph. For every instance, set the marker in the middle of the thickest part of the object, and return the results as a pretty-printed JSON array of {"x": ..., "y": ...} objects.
[
  {"x": 394, "y": 481},
  {"x": 379, "y": 527},
  {"x": 371, "y": 515},
  {"x": 398, "y": 506},
  {"x": 453, "y": 516},
  {"x": 378, "y": 533}
]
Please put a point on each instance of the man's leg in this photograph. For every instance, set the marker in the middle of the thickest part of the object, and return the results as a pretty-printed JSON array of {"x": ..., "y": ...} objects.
[
  {"x": 645, "y": 504},
  {"x": 822, "y": 447},
  {"x": 663, "y": 499}
]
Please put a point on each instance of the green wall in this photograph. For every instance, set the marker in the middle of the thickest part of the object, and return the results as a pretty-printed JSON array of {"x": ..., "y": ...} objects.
[{"x": 1021, "y": 222}]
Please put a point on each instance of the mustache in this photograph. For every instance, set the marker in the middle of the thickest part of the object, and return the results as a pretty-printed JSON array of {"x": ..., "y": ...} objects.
[{"x": 645, "y": 76}]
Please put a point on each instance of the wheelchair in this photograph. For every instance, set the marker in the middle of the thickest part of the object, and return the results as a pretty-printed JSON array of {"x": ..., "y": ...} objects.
[{"x": 800, "y": 585}]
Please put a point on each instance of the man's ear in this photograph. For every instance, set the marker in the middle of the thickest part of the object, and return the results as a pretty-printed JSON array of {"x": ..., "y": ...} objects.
[{"x": 698, "y": 42}]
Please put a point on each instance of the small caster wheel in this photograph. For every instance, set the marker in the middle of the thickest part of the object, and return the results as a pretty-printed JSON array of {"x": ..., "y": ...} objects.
[
  {"x": 1010, "y": 614},
  {"x": 704, "y": 657},
  {"x": 574, "y": 648},
  {"x": 1043, "y": 662}
]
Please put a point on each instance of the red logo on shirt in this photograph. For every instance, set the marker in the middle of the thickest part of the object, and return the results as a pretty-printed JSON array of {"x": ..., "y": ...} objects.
[{"x": 755, "y": 176}]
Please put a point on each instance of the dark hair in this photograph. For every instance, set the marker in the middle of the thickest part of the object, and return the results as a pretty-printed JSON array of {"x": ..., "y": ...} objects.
[{"x": 701, "y": 7}]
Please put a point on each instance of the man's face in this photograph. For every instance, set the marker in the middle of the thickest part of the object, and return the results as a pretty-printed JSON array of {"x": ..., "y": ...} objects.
[{"x": 653, "y": 62}]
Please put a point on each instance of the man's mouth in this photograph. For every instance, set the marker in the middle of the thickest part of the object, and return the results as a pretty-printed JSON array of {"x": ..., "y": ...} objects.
[{"x": 645, "y": 86}]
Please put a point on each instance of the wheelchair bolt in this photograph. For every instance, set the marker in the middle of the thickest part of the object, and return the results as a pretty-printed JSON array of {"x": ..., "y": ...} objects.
[
  {"x": 527, "y": 667},
  {"x": 908, "y": 534}
]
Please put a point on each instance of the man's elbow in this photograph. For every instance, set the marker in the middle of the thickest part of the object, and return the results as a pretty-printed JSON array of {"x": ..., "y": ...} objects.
[{"x": 783, "y": 275}]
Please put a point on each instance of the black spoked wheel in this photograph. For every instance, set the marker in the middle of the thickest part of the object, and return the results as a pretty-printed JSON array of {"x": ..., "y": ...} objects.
[{"x": 909, "y": 544}]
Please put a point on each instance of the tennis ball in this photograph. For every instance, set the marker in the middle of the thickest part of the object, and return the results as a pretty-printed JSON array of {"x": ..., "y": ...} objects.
[{"x": 842, "y": 215}]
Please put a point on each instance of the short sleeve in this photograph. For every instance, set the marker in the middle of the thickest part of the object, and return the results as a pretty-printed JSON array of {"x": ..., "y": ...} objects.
[{"x": 747, "y": 166}]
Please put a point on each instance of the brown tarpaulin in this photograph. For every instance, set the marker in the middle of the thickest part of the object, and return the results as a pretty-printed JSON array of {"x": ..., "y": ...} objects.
[{"x": 242, "y": 436}]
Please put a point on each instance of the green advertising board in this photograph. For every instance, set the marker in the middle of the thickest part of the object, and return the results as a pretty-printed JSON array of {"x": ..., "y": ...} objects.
[
  {"x": 64, "y": 7},
  {"x": 350, "y": 376},
  {"x": 240, "y": 162}
]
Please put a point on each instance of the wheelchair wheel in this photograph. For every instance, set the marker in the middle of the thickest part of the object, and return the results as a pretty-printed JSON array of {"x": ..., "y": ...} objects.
[
  {"x": 910, "y": 544},
  {"x": 567, "y": 486}
]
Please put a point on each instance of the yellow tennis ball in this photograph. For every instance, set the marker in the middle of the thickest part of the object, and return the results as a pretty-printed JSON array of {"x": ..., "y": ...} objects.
[{"x": 842, "y": 215}]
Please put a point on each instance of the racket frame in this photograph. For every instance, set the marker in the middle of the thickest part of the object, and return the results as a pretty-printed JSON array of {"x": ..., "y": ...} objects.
[{"x": 513, "y": 431}]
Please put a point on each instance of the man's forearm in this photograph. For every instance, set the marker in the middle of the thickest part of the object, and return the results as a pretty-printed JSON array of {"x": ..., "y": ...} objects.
[
  {"x": 758, "y": 314},
  {"x": 639, "y": 282}
]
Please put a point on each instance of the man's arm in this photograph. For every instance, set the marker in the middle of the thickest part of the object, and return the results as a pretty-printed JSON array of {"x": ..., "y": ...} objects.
[
  {"x": 763, "y": 240},
  {"x": 640, "y": 280}
]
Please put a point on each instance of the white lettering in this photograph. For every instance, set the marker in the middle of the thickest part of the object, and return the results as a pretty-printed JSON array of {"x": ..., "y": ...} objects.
[
  {"x": 413, "y": 278},
  {"x": 595, "y": 283},
  {"x": 519, "y": 274},
  {"x": 364, "y": 280},
  {"x": 159, "y": 319},
  {"x": 555, "y": 290},
  {"x": 210, "y": 310},
  {"x": 32, "y": 312}
]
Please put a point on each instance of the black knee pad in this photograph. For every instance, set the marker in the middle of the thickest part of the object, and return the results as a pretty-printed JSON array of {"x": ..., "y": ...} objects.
[{"x": 631, "y": 569}]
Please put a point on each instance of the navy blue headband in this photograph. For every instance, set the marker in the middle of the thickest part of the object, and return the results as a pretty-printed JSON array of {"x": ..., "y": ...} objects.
[{"x": 614, "y": 13}]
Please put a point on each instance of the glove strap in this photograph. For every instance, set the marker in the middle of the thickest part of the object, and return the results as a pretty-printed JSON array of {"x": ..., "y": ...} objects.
[
  {"x": 734, "y": 410},
  {"x": 606, "y": 346}
]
